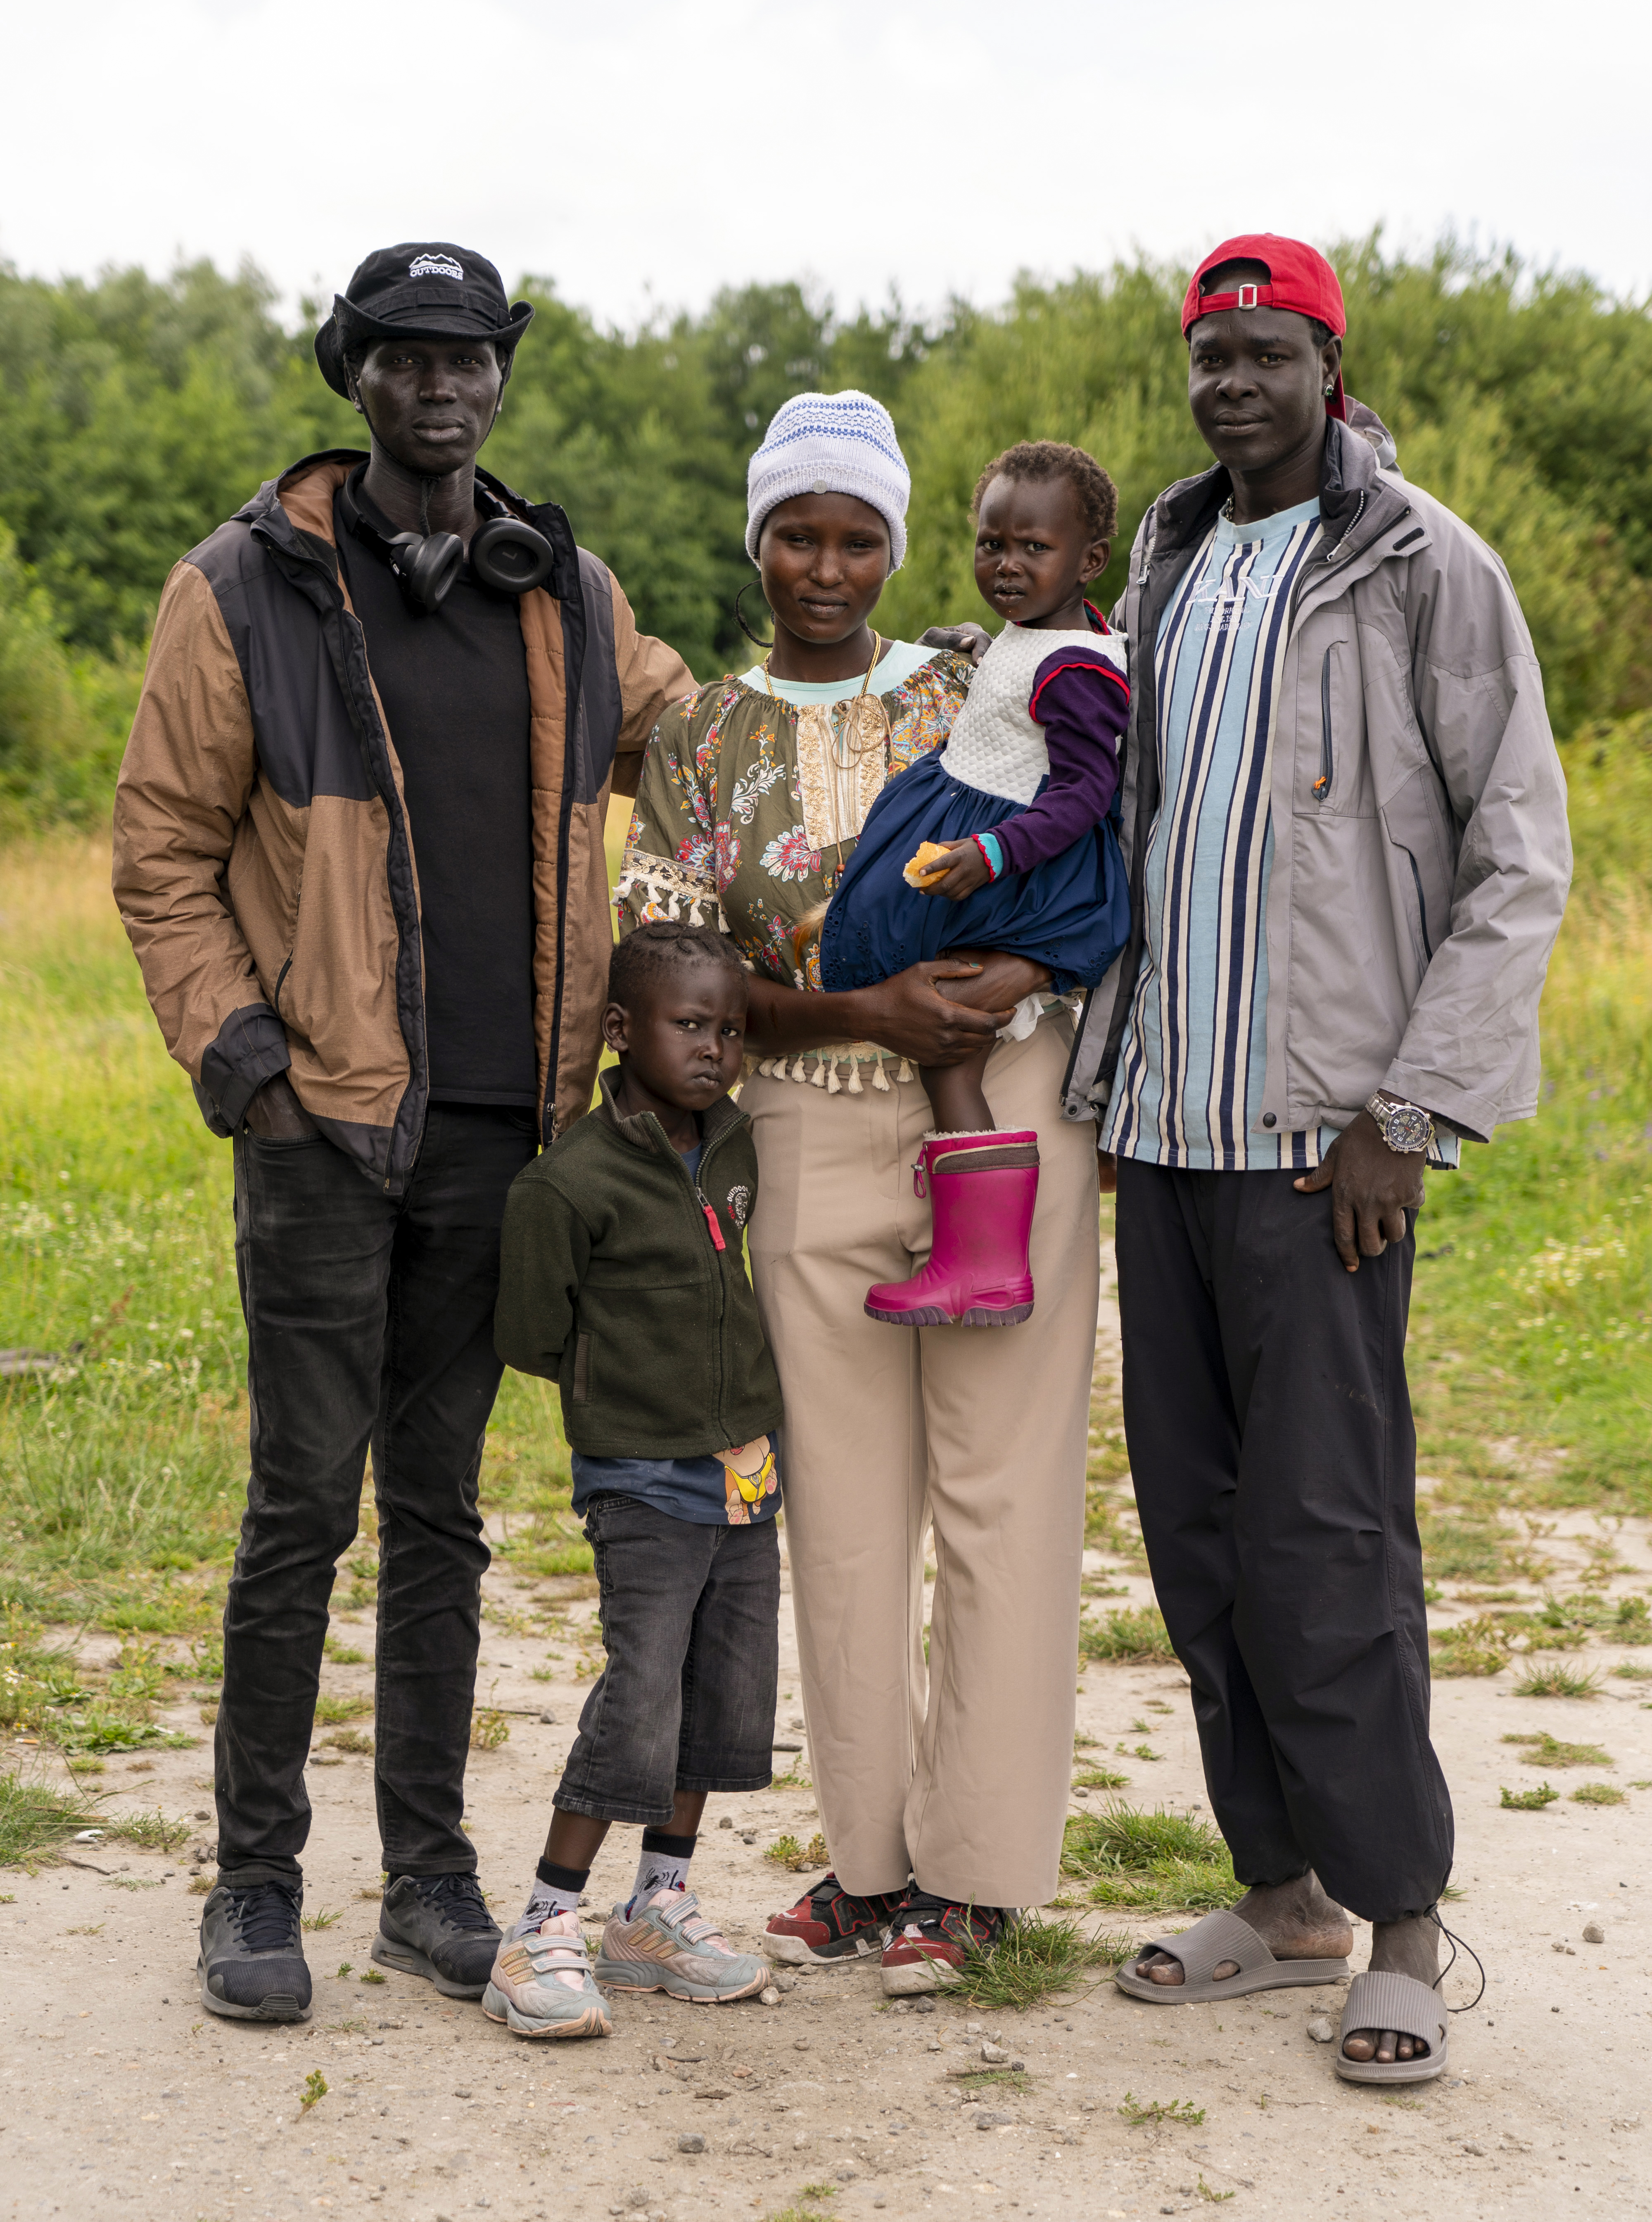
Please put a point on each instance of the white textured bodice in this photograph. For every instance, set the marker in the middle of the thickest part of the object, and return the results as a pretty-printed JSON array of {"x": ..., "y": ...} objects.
[{"x": 996, "y": 745}]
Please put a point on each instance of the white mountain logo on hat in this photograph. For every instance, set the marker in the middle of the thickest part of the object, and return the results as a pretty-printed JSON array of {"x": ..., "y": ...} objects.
[{"x": 435, "y": 266}]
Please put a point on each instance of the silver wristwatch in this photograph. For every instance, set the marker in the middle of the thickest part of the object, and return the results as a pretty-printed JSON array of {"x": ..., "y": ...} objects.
[{"x": 1406, "y": 1127}]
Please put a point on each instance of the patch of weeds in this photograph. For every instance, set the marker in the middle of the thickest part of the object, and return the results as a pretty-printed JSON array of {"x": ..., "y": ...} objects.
[
  {"x": 1432, "y": 1594},
  {"x": 322, "y": 1918},
  {"x": 343, "y": 1654},
  {"x": 1529, "y": 1801},
  {"x": 786, "y": 1852},
  {"x": 201, "y": 1885},
  {"x": 1030, "y": 1961},
  {"x": 1082, "y": 1742},
  {"x": 1598, "y": 1793},
  {"x": 315, "y": 2088},
  {"x": 82, "y": 1765},
  {"x": 1156, "y": 1860},
  {"x": 1634, "y": 1624},
  {"x": 1463, "y": 1545},
  {"x": 1641, "y": 1786},
  {"x": 333, "y": 1713},
  {"x": 1138, "y": 2112},
  {"x": 1216, "y": 2198},
  {"x": 345, "y": 1968},
  {"x": 1137, "y": 1637},
  {"x": 136, "y": 1882},
  {"x": 1556, "y": 1682},
  {"x": 34, "y": 1819},
  {"x": 1114, "y": 1947},
  {"x": 372, "y": 1974},
  {"x": 209, "y": 1717},
  {"x": 152, "y": 1832},
  {"x": 1137, "y": 1751},
  {"x": 794, "y": 1778},
  {"x": 542, "y": 1674},
  {"x": 489, "y": 1728},
  {"x": 87, "y": 1928},
  {"x": 1099, "y": 1778},
  {"x": 1473, "y": 1646},
  {"x": 1626, "y": 1673},
  {"x": 1394, "y": 2098},
  {"x": 350, "y": 1740},
  {"x": 1547, "y": 1751}
]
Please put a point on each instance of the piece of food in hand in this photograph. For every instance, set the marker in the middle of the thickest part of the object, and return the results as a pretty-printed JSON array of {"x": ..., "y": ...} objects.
[{"x": 929, "y": 863}]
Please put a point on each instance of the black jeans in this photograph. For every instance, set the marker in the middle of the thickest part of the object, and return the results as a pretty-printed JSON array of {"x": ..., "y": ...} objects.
[
  {"x": 369, "y": 1322},
  {"x": 691, "y": 1622},
  {"x": 1275, "y": 1468}
]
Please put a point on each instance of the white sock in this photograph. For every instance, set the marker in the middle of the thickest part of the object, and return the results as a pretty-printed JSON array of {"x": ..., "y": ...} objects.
[
  {"x": 545, "y": 1899},
  {"x": 657, "y": 1871}
]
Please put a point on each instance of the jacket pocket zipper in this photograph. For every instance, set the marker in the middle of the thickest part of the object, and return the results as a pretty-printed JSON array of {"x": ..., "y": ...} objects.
[
  {"x": 1327, "y": 755},
  {"x": 1422, "y": 907}
]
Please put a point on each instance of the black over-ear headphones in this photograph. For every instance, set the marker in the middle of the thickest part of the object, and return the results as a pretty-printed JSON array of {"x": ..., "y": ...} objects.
[{"x": 505, "y": 555}]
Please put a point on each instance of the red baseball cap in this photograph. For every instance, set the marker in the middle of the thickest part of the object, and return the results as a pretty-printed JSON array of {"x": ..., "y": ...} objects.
[{"x": 1299, "y": 279}]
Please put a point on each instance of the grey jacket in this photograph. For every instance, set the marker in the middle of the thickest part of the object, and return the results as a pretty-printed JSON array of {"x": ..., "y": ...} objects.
[{"x": 1421, "y": 855}]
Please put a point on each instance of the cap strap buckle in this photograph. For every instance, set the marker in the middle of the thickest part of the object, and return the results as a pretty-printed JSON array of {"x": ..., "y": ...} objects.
[{"x": 1248, "y": 296}]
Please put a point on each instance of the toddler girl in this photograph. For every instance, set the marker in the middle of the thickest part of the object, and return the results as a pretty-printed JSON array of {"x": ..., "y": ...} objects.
[{"x": 1007, "y": 824}]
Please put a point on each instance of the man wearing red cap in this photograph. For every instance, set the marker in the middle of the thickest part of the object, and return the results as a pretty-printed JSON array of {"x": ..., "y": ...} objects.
[{"x": 1345, "y": 824}]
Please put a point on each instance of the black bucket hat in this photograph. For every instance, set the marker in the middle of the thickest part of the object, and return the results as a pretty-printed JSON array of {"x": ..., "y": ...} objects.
[{"x": 421, "y": 290}]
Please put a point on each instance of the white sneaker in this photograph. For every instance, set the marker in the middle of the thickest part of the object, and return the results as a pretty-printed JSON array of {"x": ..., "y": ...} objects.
[{"x": 541, "y": 1984}]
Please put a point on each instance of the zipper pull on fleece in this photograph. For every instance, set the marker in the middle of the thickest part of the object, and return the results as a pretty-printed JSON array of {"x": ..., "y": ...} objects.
[{"x": 717, "y": 1242}]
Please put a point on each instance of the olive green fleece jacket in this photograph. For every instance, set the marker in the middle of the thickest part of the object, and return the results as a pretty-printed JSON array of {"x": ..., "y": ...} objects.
[{"x": 613, "y": 1284}]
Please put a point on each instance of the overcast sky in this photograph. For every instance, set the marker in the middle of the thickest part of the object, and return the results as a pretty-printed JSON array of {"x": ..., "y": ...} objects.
[{"x": 654, "y": 151}]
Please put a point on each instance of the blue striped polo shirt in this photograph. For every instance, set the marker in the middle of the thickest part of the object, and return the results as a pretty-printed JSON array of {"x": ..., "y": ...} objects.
[{"x": 1193, "y": 1058}]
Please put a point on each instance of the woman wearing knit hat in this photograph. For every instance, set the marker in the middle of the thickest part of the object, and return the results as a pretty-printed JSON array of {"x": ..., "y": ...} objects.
[{"x": 942, "y": 1782}]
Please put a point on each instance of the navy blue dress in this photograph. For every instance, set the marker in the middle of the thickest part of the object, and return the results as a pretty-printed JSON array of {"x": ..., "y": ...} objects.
[{"x": 1071, "y": 913}]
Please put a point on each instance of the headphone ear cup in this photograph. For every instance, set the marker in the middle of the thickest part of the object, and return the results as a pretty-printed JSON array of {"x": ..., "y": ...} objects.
[
  {"x": 427, "y": 564},
  {"x": 510, "y": 557}
]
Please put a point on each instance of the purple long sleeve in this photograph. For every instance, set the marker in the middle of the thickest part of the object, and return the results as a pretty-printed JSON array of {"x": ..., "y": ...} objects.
[{"x": 1083, "y": 702}]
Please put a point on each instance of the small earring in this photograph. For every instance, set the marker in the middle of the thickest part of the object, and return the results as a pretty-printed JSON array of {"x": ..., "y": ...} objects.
[{"x": 1329, "y": 391}]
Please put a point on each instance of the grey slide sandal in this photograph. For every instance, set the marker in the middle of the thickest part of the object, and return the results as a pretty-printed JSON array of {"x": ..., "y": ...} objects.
[
  {"x": 1222, "y": 1936},
  {"x": 1384, "y": 2000}
]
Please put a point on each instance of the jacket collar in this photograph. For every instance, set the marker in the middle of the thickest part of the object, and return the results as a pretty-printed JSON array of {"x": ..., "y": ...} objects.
[
  {"x": 293, "y": 514},
  {"x": 1351, "y": 488},
  {"x": 644, "y": 1131}
]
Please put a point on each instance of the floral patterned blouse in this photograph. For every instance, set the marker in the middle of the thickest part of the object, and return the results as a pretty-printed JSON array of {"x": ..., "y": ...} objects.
[{"x": 750, "y": 800}]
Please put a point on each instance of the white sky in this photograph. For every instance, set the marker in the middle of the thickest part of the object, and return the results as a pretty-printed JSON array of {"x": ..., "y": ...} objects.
[{"x": 658, "y": 150}]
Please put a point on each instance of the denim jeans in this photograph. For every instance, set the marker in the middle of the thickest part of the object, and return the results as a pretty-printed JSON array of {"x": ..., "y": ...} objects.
[
  {"x": 370, "y": 1324},
  {"x": 691, "y": 1622}
]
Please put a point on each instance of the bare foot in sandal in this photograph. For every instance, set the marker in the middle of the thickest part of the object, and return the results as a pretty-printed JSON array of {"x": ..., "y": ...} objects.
[
  {"x": 1397, "y": 1948},
  {"x": 1295, "y": 1920}
]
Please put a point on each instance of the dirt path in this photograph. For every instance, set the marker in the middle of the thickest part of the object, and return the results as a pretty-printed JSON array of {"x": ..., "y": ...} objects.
[{"x": 120, "y": 2095}]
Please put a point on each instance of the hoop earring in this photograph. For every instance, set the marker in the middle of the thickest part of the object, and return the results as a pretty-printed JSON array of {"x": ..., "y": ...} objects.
[{"x": 739, "y": 617}]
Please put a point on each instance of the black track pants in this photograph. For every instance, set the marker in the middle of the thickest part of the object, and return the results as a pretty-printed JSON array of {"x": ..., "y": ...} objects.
[{"x": 1275, "y": 1468}]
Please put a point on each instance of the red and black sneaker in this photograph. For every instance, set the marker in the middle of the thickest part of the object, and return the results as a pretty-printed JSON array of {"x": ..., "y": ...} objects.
[
  {"x": 929, "y": 1937},
  {"x": 829, "y": 1925}
]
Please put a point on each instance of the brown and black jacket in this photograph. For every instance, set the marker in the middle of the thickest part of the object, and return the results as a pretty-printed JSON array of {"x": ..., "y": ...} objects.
[{"x": 265, "y": 866}]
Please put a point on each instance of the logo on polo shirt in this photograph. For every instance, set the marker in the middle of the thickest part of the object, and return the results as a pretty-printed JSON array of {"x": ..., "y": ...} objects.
[
  {"x": 739, "y": 1205},
  {"x": 435, "y": 266}
]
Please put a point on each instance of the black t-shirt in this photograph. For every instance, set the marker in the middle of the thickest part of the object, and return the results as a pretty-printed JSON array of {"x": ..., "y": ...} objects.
[{"x": 454, "y": 683}]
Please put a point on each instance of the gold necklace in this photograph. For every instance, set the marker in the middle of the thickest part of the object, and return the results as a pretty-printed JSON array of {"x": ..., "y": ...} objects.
[
  {"x": 865, "y": 733},
  {"x": 855, "y": 719}
]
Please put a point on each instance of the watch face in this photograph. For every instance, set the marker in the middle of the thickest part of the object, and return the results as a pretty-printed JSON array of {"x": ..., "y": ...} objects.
[{"x": 1408, "y": 1127}]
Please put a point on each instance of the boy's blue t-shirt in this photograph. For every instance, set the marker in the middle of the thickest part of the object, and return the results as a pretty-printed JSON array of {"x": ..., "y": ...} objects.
[{"x": 701, "y": 1489}]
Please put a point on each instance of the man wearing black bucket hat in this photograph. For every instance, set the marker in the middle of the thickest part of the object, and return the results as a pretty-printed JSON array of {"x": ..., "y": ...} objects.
[{"x": 359, "y": 852}]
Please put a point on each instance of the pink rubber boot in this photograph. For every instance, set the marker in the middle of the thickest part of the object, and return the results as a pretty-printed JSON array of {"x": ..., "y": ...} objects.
[{"x": 981, "y": 1190}]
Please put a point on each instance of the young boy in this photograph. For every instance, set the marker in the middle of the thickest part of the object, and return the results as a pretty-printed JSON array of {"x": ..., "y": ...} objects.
[{"x": 622, "y": 1279}]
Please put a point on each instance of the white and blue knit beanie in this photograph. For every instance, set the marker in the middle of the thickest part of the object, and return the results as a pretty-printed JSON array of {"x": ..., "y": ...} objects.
[{"x": 831, "y": 443}]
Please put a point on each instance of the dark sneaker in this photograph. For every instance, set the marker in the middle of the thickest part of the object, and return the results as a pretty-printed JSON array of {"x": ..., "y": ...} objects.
[
  {"x": 252, "y": 1953},
  {"x": 438, "y": 1926},
  {"x": 827, "y": 1924},
  {"x": 929, "y": 1937}
]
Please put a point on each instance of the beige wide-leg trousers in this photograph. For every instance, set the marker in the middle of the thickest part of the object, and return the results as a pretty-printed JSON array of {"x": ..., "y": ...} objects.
[{"x": 959, "y": 1772}]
